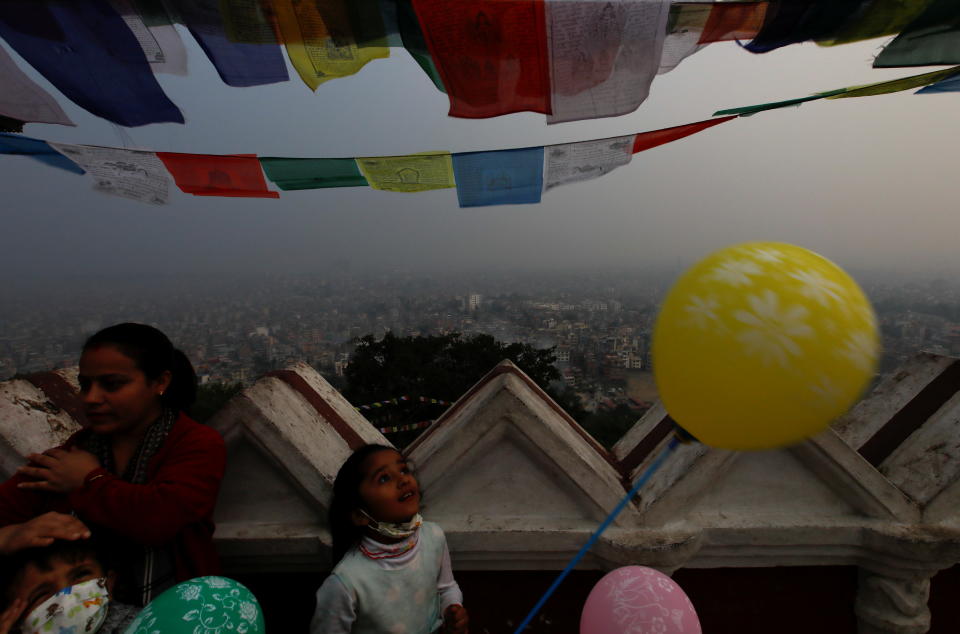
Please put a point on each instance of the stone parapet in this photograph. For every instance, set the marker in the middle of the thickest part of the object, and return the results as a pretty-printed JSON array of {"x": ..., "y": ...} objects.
[{"x": 517, "y": 484}]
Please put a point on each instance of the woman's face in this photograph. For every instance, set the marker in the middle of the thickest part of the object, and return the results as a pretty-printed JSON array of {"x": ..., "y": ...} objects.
[
  {"x": 389, "y": 489},
  {"x": 117, "y": 396}
]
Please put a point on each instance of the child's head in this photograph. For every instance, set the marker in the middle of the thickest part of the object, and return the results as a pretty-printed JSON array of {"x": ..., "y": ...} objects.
[
  {"x": 375, "y": 486},
  {"x": 35, "y": 575}
]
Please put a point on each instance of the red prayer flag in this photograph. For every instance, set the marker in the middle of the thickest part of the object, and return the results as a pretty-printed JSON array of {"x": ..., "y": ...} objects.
[
  {"x": 733, "y": 21},
  {"x": 647, "y": 140},
  {"x": 236, "y": 175},
  {"x": 491, "y": 54}
]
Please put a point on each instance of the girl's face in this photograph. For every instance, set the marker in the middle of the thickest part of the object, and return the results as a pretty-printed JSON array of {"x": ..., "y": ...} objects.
[
  {"x": 117, "y": 396},
  {"x": 39, "y": 584},
  {"x": 388, "y": 489}
]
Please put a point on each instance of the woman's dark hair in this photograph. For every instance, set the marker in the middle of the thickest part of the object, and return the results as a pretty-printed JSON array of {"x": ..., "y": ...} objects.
[
  {"x": 346, "y": 498},
  {"x": 153, "y": 354}
]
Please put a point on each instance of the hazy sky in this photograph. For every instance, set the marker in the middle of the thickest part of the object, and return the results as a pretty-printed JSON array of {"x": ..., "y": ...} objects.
[{"x": 867, "y": 182}]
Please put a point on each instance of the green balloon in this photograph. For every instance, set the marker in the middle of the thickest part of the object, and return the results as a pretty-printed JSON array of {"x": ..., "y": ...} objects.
[{"x": 205, "y": 605}]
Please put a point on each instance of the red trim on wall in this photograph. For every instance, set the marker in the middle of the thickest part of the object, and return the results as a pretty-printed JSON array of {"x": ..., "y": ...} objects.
[
  {"x": 912, "y": 416},
  {"x": 324, "y": 409},
  {"x": 59, "y": 392}
]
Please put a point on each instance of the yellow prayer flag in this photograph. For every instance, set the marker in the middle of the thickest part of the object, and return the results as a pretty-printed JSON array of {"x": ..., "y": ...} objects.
[
  {"x": 411, "y": 173},
  {"x": 320, "y": 40},
  {"x": 896, "y": 85}
]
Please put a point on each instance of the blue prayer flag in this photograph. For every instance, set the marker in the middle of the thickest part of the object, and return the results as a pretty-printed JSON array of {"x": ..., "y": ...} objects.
[
  {"x": 239, "y": 64},
  {"x": 88, "y": 52},
  {"x": 38, "y": 150},
  {"x": 951, "y": 84},
  {"x": 501, "y": 177}
]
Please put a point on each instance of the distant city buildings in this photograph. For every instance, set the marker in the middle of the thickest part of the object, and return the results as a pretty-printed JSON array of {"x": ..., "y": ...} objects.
[{"x": 235, "y": 332}]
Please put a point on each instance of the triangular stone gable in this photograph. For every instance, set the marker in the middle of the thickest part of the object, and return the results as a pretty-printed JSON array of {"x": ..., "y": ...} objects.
[
  {"x": 909, "y": 428},
  {"x": 693, "y": 473},
  {"x": 682, "y": 478},
  {"x": 927, "y": 463},
  {"x": 879, "y": 423},
  {"x": 290, "y": 429},
  {"x": 37, "y": 412},
  {"x": 854, "y": 479},
  {"x": 506, "y": 457},
  {"x": 769, "y": 487}
]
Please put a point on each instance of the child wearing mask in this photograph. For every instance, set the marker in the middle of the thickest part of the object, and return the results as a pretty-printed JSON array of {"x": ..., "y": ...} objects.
[
  {"x": 62, "y": 588},
  {"x": 392, "y": 570}
]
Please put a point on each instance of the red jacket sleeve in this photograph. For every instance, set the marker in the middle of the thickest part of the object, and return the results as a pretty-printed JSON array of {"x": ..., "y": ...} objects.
[
  {"x": 19, "y": 505},
  {"x": 182, "y": 491}
]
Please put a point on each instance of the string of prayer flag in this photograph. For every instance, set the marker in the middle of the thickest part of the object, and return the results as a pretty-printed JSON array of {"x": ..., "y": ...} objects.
[
  {"x": 400, "y": 399},
  {"x": 867, "y": 90},
  {"x": 567, "y": 59},
  {"x": 497, "y": 177},
  {"x": 746, "y": 111},
  {"x": 398, "y": 428},
  {"x": 896, "y": 85},
  {"x": 236, "y": 175}
]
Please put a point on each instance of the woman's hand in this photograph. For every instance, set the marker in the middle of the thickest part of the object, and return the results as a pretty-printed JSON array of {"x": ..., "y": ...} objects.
[
  {"x": 41, "y": 531},
  {"x": 58, "y": 470},
  {"x": 455, "y": 620},
  {"x": 11, "y": 614}
]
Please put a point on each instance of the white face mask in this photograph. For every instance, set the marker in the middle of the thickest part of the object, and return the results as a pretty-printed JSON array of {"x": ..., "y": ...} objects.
[
  {"x": 78, "y": 609},
  {"x": 394, "y": 530}
]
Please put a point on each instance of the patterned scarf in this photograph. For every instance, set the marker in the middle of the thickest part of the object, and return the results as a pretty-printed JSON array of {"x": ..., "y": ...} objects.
[{"x": 153, "y": 567}]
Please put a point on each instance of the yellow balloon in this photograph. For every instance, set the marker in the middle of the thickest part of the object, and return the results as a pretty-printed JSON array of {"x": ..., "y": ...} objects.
[{"x": 763, "y": 344}]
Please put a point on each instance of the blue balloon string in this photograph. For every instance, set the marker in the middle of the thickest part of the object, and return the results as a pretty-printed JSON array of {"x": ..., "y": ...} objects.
[{"x": 603, "y": 526}]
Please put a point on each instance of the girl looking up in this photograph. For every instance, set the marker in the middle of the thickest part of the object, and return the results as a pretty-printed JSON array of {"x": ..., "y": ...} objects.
[
  {"x": 392, "y": 570},
  {"x": 140, "y": 473}
]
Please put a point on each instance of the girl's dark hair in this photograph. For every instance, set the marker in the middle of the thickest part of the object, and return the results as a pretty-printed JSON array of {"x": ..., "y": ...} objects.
[
  {"x": 346, "y": 498},
  {"x": 15, "y": 565},
  {"x": 153, "y": 354}
]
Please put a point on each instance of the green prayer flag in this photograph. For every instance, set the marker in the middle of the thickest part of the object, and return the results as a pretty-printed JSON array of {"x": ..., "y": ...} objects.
[
  {"x": 895, "y": 85},
  {"x": 744, "y": 111},
  {"x": 415, "y": 43},
  {"x": 316, "y": 173},
  {"x": 878, "y": 19},
  {"x": 932, "y": 39}
]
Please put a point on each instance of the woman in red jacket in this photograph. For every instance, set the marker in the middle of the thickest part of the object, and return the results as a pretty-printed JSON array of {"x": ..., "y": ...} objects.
[{"x": 140, "y": 471}]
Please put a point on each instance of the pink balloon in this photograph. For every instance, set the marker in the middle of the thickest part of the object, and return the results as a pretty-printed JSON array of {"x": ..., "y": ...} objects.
[{"x": 638, "y": 600}]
